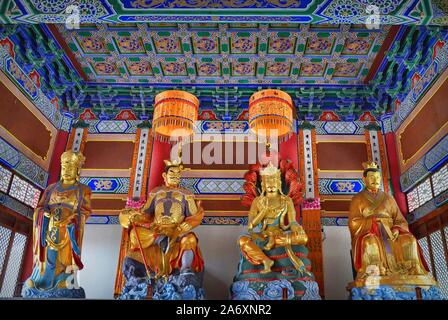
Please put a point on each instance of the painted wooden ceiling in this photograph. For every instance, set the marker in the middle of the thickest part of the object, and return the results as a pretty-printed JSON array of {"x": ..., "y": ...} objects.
[
  {"x": 266, "y": 54},
  {"x": 305, "y": 11},
  {"x": 127, "y": 51}
]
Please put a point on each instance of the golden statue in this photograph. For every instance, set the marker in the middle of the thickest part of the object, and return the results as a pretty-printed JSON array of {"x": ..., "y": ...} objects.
[
  {"x": 160, "y": 232},
  {"x": 381, "y": 242},
  {"x": 272, "y": 223},
  {"x": 58, "y": 226}
]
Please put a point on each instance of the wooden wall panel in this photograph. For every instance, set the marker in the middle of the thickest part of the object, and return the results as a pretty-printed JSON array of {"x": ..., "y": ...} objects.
[
  {"x": 108, "y": 154},
  {"x": 24, "y": 126},
  {"x": 341, "y": 155},
  {"x": 425, "y": 126},
  {"x": 108, "y": 204},
  {"x": 431, "y": 119}
]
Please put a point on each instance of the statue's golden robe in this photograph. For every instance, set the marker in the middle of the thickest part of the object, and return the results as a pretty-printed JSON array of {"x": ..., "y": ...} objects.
[
  {"x": 160, "y": 218},
  {"x": 371, "y": 236}
]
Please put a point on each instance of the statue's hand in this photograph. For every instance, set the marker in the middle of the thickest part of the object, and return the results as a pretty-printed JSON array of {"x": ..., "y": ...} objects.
[
  {"x": 384, "y": 220},
  {"x": 367, "y": 212},
  {"x": 128, "y": 216},
  {"x": 297, "y": 228},
  {"x": 395, "y": 234},
  {"x": 185, "y": 227}
]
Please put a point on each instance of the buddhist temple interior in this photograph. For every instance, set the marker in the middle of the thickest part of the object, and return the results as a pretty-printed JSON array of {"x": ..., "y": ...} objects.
[{"x": 363, "y": 86}]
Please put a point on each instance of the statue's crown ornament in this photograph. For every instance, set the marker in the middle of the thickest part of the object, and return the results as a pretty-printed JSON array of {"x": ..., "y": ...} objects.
[
  {"x": 370, "y": 165},
  {"x": 270, "y": 170},
  {"x": 174, "y": 163},
  {"x": 73, "y": 157}
]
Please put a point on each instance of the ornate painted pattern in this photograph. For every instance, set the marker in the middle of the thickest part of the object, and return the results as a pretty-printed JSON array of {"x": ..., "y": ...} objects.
[
  {"x": 312, "y": 69},
  {"x": 5, "y": 178},
  {"x": 139, "y": 68},
  {"x": 346, "y": 69},
  {"x": 208, "y": 69},
  {"x": 91, "y": 44},
  {"x": 20, "y": 78},
  {"x": 440, "y": 180},
  {"x": 427, "y": 207},
  {"x": 17, "y": 161},
  {"x": 386, "y": 124},
  {"x": 226, "y": 221},
  {"x": 129, "y": 44},
  {"x": 113, "y": 126},
  {"x": 107, "y": 185},
  {"x": 105, "y": 68},
  {"x": 242, "y": 54},
  {"x": 437, "y": 66},
  {"x": 94, "y": 219},
  {"x": 340, "y": 186},
  {"x": 11, "y": 68},
  {"x": 319, "y": 46},
  {"x": 425, "y": 165},
  {"x": 213, "y": 185},
  {"x": 315, "y": 11},
  {"x": 334, "y": 221},
  {"x": 339, "y": 127},
  {"x": 223, "y": 127},
  {"x": 15, "y": 205}
]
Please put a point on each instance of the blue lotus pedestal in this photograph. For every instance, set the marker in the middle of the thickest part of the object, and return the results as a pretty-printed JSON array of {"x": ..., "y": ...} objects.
[
  {"x": 283, "y": 283},
  {"x": 178, "y": 286}
]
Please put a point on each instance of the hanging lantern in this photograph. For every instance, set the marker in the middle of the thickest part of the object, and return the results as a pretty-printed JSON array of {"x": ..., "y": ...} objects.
[
  {"x": 271, "y": 114},
  {"x": 175, "y": 113}
]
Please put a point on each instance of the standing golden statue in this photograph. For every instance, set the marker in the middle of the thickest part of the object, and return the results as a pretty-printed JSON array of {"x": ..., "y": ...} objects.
[
  {"x": 58, "y": 228},
  {"x": 160, "y": 233},
  {"x": 383, "y": 248},
  {"x": 272, "y": 223}
]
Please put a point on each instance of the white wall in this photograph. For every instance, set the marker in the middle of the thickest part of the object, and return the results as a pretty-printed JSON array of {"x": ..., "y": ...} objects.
[
  {"x": 221, "y": 256},
  {"x": 337, "y": 262},
  {"x": 100, "y": 256}
]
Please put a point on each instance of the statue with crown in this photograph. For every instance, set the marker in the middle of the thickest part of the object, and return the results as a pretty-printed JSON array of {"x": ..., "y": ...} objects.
[
  {"x": 387, "y": 258},
  {"x": 163, "y": 261},
  {"x": 274, "y": 263},
  {"x": 58, "y": 229}
]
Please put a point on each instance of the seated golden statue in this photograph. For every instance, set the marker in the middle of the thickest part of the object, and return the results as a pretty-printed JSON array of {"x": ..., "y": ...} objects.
[
  {"x": 272, "y": 223},
  {"x": 58, "y": 226},
  {"x": 160, "y": 236},
  {"x": 381, "y": 239}
]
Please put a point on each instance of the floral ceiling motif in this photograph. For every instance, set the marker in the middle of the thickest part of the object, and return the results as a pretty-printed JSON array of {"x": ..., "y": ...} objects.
[{"x": 225, "y": 53}]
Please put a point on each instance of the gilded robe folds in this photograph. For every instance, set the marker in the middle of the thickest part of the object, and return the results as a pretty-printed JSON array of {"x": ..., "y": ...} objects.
[
  {"x": 59, "y": 221},
  {"x": 157, "y": 231},
  {"x": 372, "y": 231}
]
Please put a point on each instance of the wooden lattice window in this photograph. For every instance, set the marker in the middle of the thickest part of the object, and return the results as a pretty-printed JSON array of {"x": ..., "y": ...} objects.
[
  {"x": 432, "y": 234},
  {"x": 15, "y": 232}
]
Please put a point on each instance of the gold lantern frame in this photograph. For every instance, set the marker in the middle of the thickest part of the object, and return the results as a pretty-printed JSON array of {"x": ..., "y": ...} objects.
[
  {"x": 271, "y": 114},
  {"x": 175, "y": 114}
]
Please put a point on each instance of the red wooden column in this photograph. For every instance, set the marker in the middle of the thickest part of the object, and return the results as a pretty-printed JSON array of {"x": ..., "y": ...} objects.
[
  {"x": 160, "y": 151},
  {"x": 137, "y": 189},
  {"x": 55, "y": 163},
  {"x": 288, "y": 150},
  {"x": 311, "y": 211},
  {"x": 394, "y": 167}
]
